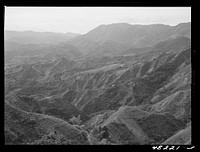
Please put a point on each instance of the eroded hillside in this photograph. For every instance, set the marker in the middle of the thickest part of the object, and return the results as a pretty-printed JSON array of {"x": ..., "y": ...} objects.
[
  {"x": 135, "y": 99},
  {"x": 117, "y": 84}
]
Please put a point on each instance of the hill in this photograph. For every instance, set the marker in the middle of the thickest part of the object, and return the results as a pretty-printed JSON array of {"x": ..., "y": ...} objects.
[
  {"x": 25, "y": 128},
  {"x": 110, "y": 96},
  {"x": 31, "y": 37},
  {"x": 121, "y": 36}
]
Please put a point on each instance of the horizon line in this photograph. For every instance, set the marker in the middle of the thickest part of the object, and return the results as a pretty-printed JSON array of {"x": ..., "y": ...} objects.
[{"x": 94, "y": 28}]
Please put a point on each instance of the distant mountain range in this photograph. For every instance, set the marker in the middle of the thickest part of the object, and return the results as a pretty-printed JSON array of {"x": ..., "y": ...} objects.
[
  {"x": 120, "y": 36},
  {"x": 31, "y": 37},
  {"x": 105, "y": 40},
  {"x": 134, "y": 35},
  {"x": 137, "y": 35}
]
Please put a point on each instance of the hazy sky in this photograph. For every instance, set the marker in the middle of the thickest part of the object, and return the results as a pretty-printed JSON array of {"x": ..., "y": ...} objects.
[{"x": 82, "y": 19}]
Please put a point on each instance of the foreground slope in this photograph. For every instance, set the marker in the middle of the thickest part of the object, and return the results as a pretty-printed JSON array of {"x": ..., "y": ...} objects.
[{"x": 24, "y": 127}]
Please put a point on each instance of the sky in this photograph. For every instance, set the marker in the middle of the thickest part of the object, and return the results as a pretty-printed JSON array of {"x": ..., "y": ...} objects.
[{"x": 83, "y": 19}]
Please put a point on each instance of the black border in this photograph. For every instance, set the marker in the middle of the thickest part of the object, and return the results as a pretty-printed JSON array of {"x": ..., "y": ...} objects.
[
  {"x": 121, "y": 3},
  {"x": 142, "y": 3}
]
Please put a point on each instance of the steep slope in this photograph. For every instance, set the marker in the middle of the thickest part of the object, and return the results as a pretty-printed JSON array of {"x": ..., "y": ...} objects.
[
  {"x": 167, "y": 86},
  {"x": 173, "y": 44},
  {"x": 127, "y": 33},
  {"x": 104, "y": 38},
  {"x": 62, "y": 65},
  {"x": 58, "y": 107},
  {"x": 144, "y": 127},
  {"x": 183, "y": 137},
  {"x": 23, "y": 127}
]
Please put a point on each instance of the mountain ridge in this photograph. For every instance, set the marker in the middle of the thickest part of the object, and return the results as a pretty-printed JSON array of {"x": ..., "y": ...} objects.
[
  {"x": 128, "y": 35},
  {"x": 104, "y": 92}
]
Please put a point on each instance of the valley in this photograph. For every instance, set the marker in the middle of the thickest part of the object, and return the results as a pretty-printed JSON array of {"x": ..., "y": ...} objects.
[{"x": 118, "y": 84}]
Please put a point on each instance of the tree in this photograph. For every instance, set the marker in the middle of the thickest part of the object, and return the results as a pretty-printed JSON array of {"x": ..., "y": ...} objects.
[
  {"x": 98, "y": 133},
  {"x": 75, "y": 120}
]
